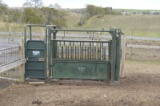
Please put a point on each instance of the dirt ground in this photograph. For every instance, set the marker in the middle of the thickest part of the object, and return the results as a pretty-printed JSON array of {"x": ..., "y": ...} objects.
[{"x": 139, "y": 87}]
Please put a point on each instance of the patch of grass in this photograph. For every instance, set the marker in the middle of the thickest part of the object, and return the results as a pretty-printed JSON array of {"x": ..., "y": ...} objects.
[
  {"x": 14, "y": 27},
  {"x": 131, "y": 25},
  {"x": 72, "y": 19},
  {"x": 143, "y": 61}
]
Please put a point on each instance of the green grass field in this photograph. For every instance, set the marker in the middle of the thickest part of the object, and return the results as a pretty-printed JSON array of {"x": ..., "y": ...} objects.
[{"x": 131, "y": 25}]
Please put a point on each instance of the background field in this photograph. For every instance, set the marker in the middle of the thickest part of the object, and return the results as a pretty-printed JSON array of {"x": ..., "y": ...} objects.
[{"x": 131, "y": 25}]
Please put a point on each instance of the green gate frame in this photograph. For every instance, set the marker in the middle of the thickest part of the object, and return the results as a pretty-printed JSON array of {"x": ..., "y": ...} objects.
[
  {"x": 114, "y": 51},
  {"x": 36, "y": 65},
  {"x": 114, "y": 48}
]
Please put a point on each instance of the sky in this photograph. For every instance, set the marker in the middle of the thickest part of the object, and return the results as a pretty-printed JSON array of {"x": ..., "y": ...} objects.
[{"x": 117, "y": 4}]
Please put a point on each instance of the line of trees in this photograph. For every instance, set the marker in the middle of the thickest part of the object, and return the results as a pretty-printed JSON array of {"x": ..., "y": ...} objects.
[
  {"x": 33, "y": 12},
  {"x": 3, "y": 7}
]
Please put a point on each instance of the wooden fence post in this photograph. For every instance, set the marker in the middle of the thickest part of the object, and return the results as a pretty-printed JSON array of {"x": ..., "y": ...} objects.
[
  {"x": 22, "y": 67},
  {"x": 123, "y": 56}
]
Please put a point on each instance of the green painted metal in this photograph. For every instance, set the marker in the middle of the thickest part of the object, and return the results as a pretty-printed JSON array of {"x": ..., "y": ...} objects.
[
  {"x": 74, "y": 59},
  {"x": 70, "y": 59},
  {"x": 36, "y": 25},
  {"x": 35, "y": 49},
  {"x": 113, "y": 55},
  {"x": 35, "y": 52},
  {"x": 35, "y": 69},
  {"x": 118, "y": 54},
  {"x": 80, "y": 70}
]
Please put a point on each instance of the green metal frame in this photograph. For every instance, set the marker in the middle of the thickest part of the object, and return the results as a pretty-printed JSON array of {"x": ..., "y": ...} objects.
[
  {"x": 30, "y": 26},
  {"x": 112, "y": 63},
  {"x": 114, "y": 50},
  {"x": 35, "y": 66}
]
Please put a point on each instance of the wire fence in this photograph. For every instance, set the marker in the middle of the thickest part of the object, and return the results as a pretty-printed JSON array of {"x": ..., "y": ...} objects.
[
  {"x": 142, "y": 53},
  {"x": 7, "y": 56},
  {"x": 143, "y": 49}
]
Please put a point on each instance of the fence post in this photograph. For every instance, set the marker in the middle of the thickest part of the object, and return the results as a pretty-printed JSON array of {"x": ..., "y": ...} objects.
[
  {"x": 22, "y": 67},
  {"x": 123, "y": 56}
]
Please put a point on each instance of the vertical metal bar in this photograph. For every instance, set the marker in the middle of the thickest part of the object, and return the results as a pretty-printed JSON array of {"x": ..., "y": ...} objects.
[
  {"x": 59, "y": 48},
  {"x": 58, "y": 53},
  {"x": 118, "y": 56},
  {"x": 85, "y": 52},
  {"x": 88, "y": 52},
  {"x": 25, "y": 34},
  {"x": 80, "y": 49},
  {"x": 109, "y": 50},
  {"x": 104, "y": 52},
  {"x": 46, "y": 35},
  {"x": 69, "y": 49},
  {"x": 75, "y": 52},
  {"x": 113, "y": 56},
  {"x": 92, "y": 50},
  {"x": 68, "y": 52},
  {"x": 72, "y": 50},
  {"x": 30, "y": 32},
  {"x": 55, "y": 44},
  {"x": 95, "y": 52},
  {"x": 101, "y": 50},
  {"x": 62, "y": 52}
]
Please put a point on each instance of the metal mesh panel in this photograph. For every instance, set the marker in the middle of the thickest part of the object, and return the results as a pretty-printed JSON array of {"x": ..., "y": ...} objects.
[{"x": 9, "y": 55}]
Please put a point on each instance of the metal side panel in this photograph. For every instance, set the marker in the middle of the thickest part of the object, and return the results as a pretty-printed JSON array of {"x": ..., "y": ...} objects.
[
  {"x": 81, "y": 70},
  {"x": 35, "y": 69},
  {"x": 35, "y": 52},
  {"x": 35, "y": 49}
]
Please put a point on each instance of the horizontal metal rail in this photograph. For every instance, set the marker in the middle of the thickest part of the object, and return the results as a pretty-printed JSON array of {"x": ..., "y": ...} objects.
[
  {"x": 40, "y": 25},
  {"x": 9, "y": 48},
  {"x": 94, "y": 41},
  {"x": 76, "y": 30}
]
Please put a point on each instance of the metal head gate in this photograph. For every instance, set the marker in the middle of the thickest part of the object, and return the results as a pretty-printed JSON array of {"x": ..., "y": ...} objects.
[
  {"x": 84, "y": 59},
  {"x": 79, "y": 59},
  {"x": 71, "y": 58}
]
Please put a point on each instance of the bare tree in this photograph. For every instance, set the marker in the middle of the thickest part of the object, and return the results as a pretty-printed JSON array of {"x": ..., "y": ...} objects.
[
  {"x": 33, "y": 3},
  {"x": 57, "y": 6},
  {"x": 28, "y": 3},
  {"x": 37, "y": 3}
]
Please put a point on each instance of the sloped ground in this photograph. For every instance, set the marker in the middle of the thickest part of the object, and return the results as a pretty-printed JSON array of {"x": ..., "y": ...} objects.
[
  {"x": 4, "y": 83},
  {"x": 140, "y": 87}
]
